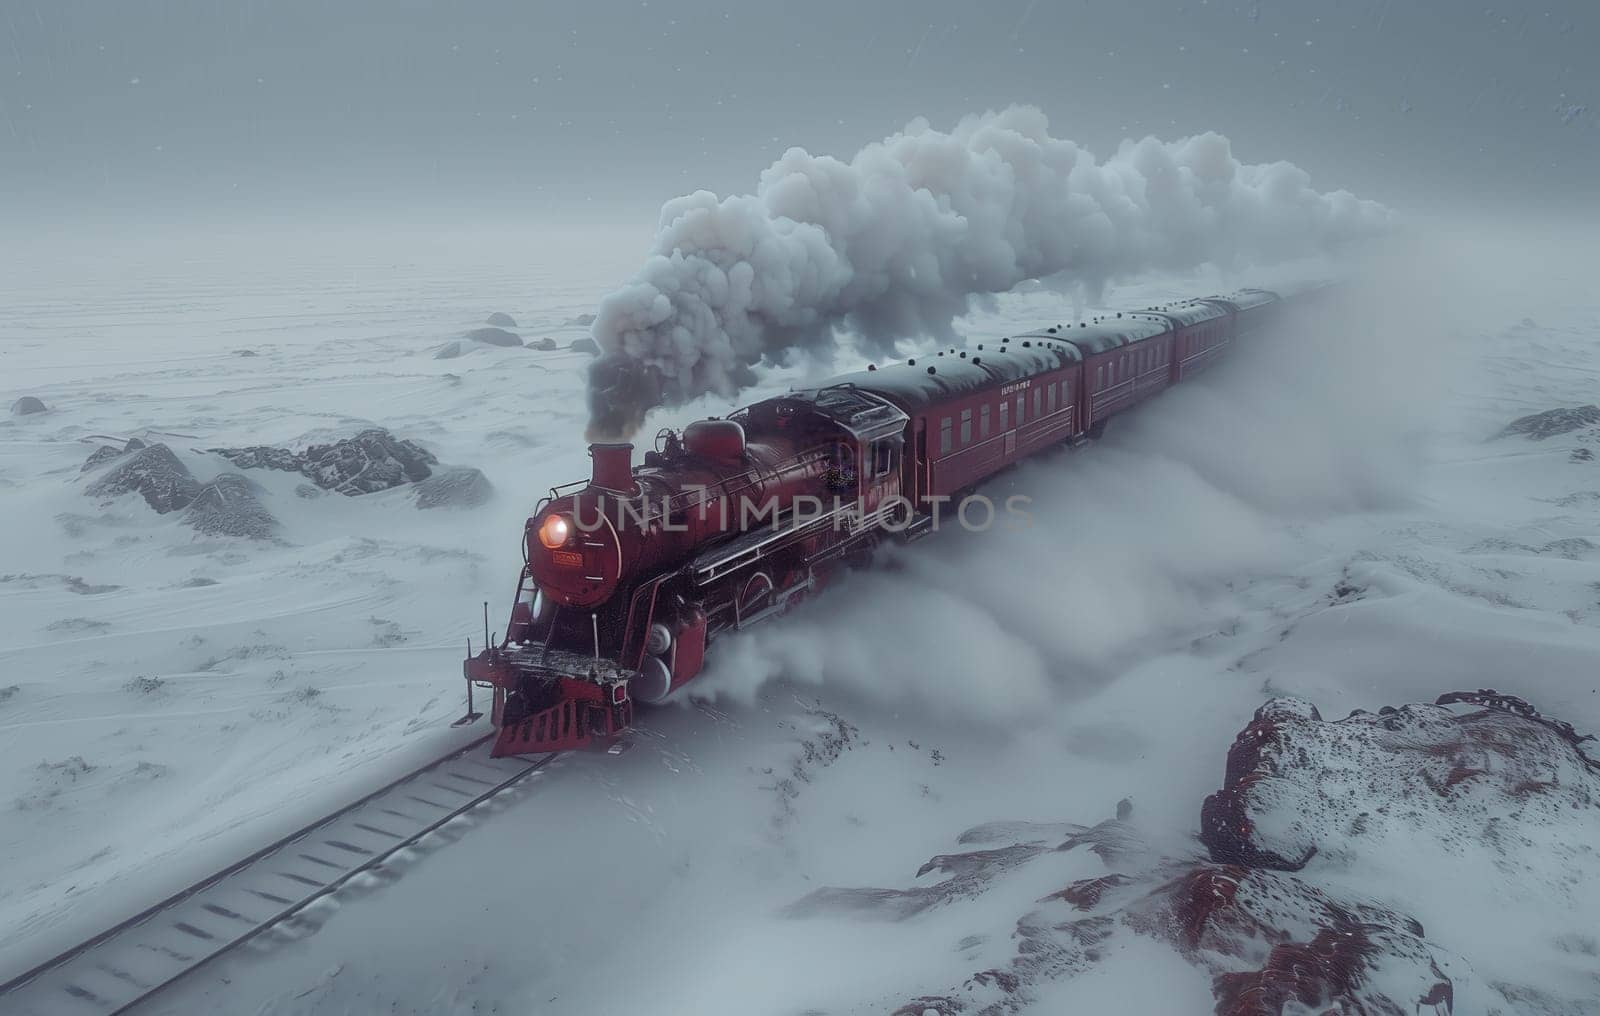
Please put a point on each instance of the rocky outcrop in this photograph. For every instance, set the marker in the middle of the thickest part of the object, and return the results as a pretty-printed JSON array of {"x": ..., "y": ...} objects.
[
  {"x": 457, "y": 487},
  {"x": 27, "y": 406},
  {"x": 1273, "y": 914},
  {"x": 582, "y": 320},
  {"x": 494, "y": 337},
  {"x": 1553, "y": 421},
  {"x": 499, "y": 320},
  {"x": 545, "y": 344},
  {"x": 108, "y": 453},
  {"x": 154, "y": 472},
  {"x": 585, "y": 345},
  {"x": 1296, "y": 784},
  {"x": 371, "y": 461},
  {"x": 227, "y": 506}
]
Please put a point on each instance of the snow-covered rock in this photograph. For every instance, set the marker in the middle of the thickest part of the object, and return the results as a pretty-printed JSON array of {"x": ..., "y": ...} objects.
[
  {"x": 156, "y": 473},
  {"x": 501, "y": 320},
  {"x": 1502, "y": 778},
  {"x": 27, "y": 406},
  {"x": 107, "y": 453},
  {"x": 371, "y": 461},
  {"x": 449, "y": 351},
  {"x": 1477, "y": 772},
  {"x": 585, "y": 345},
  {"x": 545, "y": 344},
  {"x": 457, "y": 487},
  {"x": 227, "y": 506},
  {"x": 582, "y": 320},
  {"x": 1553, "y": 421},
  {"x": 494, "y": 337}
]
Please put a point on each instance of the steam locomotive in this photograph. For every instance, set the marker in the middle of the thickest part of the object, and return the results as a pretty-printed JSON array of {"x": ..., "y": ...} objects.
[{"x": 629, "y": 576}]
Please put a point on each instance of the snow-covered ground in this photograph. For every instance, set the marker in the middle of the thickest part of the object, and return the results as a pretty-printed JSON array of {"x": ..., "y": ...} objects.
[{"x": 1328, "y": 518}]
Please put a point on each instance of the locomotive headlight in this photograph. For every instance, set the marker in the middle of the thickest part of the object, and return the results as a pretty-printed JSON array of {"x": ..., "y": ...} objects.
[{"x": 555, "y": 532}]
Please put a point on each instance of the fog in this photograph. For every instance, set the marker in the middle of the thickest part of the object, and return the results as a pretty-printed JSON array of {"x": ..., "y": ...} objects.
[
  {"x": 226, "y": 223},
  {"x": 510, "y": 111}
]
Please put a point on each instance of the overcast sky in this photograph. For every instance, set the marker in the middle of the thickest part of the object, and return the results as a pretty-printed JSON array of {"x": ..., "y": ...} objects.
[{"x": 529, "y": 109}]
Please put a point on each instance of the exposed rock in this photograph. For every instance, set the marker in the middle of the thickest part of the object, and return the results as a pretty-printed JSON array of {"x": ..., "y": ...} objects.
[
  {"x": 227, "y": 506},
  {"x": 1328, "y": 954},
  {"x": 244, "y": 352},
  {"x": 263, "y": 457},
  {"x": 546, "y": 344},
  {"x": 373, "y": 460},
  {"x": 582, "y": 320},
  {"x": 585, "y": 345},
  {"x": 27, "y": 406},
  {"x": 1582, "y": 455},
  {"x": 1553, "y": 421},
  {"x": 494, "y": 337},
  {"x": 449, "y": 351},
  {"x": 156, "y": 473},
  {"x": 499, "y": 320},
  {"x": 306, "y": 491},
  {"x": 458, "y": 487}
]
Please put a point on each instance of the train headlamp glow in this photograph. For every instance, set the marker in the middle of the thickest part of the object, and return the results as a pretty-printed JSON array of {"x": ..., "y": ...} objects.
[{"x": 554, "y": 532}]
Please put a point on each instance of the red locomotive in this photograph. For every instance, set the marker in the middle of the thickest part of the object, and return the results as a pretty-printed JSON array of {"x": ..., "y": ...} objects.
[{"x": 631, "y": 574}]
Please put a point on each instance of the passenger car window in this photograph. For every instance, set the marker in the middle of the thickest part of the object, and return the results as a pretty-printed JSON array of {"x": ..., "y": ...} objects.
[
  {"x": 944, "y": 437},
  {"x": 966, "y": 427},
  {"x": 883, "y": 458},
  {"x": 983, "y": 422}
]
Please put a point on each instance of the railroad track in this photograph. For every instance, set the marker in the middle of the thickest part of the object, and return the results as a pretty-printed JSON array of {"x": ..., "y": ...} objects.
[{"x": 126, "y": 964}]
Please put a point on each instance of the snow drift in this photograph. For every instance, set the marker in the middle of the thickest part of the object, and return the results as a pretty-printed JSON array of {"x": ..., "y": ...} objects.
[{"x": 900, "y": 239}]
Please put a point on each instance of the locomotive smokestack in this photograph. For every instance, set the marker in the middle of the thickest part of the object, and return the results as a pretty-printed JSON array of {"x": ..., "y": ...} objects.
[{"x": 613, "y": 467}]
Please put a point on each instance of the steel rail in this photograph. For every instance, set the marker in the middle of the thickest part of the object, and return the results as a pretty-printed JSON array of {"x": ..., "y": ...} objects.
[{"x": 138, "y": 957}]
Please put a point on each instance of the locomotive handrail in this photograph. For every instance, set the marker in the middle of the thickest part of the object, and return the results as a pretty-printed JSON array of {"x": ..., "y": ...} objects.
[
  {"x": 743, "y": 550},
  {"x": 629, "y": 628}
]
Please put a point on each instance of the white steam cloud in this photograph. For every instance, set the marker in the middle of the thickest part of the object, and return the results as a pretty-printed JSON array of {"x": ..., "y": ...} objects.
[{"x": 899, "y": 240}]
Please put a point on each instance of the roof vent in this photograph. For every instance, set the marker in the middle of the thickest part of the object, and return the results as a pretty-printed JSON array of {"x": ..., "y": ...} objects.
[
  {"x": 1119, "y": 313},
  {"x": 932, "y": 370},
  {"x": 911, "y": 363},
  {"x": 1026, "y": 344},
  {"x": 872, "y": 366},
  {"x": 1083, "y": 324},
  {"x": 941, "y": 352},
  {"x": 980, "y": 345},
  {"x": 1052, "y": 329},
  {"x": 963, "y": 356},
  {"x": 977, "y": 360}
]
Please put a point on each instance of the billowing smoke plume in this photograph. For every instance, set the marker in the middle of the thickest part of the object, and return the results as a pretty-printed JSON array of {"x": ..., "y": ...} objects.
[{"x": 897, "y": 242}]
